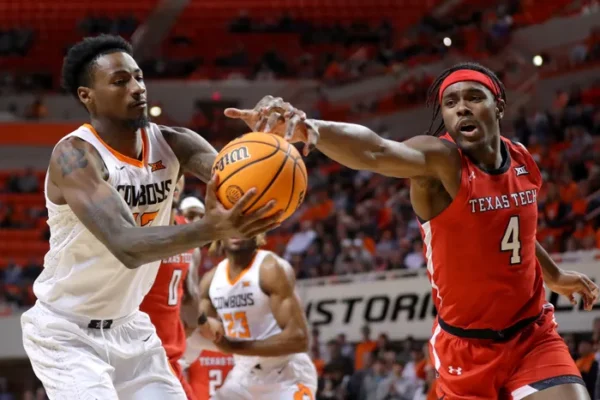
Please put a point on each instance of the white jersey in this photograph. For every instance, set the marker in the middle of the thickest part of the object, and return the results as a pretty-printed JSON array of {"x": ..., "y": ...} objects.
[
  {"x": 81, "y": 276},
  {"x": 242, "y": 305}
]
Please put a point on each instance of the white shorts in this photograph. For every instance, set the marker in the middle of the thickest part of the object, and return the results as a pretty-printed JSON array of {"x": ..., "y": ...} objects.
[
  {"x": 124, "y": 362},
  {"x": 294, "y": 379}
]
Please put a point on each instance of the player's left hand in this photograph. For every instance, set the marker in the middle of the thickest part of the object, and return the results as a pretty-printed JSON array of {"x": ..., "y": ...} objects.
[{"x": 570, "y": 282}]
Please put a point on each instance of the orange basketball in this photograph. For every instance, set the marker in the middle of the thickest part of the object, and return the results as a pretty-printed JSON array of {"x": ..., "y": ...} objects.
[{"x": 266, "y": 162}]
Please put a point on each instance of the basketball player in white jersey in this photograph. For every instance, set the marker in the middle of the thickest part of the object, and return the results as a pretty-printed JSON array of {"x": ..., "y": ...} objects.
[
  {"x": 253, "y": 293},
  {"x": 109, "y": 190}
]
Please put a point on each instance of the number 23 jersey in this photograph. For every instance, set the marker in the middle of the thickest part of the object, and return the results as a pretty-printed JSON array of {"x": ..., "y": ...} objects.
[
  {"x": 241, "y": 304},
  {"x": 480, "y": 251}
]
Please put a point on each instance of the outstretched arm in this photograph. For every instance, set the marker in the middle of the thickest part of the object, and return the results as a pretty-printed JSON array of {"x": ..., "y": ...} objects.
[
  {"x": 277, "y": 280},
  {"x": 358, "y": 147},
  {"x": 566, "y": 283},
  {"x": 354, "y": 146}
]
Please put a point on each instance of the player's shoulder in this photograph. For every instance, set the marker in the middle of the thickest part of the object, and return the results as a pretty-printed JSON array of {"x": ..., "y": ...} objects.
[
  {"x": 519, "y": 152},
  {"x": 74, "y": 151},
  {"x": 515, "y": 145},
  {"x": 275, "y": 272},
  {"x": 271, "y": 260}
]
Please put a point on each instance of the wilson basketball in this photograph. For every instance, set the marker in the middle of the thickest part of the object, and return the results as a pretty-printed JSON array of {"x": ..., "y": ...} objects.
[{"x": 266, "y": 162}]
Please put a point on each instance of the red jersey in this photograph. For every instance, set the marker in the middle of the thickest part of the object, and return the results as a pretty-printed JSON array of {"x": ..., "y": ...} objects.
[
  {"x": 208, "y": 373},
  {"x": 163, "y": 303},
  {"x": 480, "y": 250}
]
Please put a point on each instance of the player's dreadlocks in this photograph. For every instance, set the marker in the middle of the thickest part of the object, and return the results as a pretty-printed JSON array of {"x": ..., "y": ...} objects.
[
  {"x": 433, "y": 92},
  {"x": 78, "y": 63}
]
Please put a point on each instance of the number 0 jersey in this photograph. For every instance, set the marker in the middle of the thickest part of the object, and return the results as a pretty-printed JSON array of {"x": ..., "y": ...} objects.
[
  {"x": 480, "y": 250},
  {"x": 163, "y": 302},
  {"x": 81, "y": 276}
]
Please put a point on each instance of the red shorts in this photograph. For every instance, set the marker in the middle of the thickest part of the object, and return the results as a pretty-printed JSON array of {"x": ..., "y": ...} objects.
[
  {"x": 535, "y": 359},
  {"x": 178, "y": 371}
]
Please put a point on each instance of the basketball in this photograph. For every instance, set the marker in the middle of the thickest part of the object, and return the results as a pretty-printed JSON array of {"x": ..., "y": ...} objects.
[{"x": 266, "y": 162}]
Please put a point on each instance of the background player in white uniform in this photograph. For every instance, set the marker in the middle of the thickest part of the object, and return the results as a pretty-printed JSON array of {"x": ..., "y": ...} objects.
[
  {"x": 253, "y": 293},
  {"x": 109, "y": 191}
]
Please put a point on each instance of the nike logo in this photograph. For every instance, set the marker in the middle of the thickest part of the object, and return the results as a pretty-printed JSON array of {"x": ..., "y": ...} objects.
[
  {"x": 145, "y": 340},
  {"x": 120, "y": 168}
]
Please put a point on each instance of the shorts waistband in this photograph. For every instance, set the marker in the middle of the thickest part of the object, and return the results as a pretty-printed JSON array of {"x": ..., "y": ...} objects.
[
  {"x": 489, "y": 334},
  {"x": 87, "y": 322}
]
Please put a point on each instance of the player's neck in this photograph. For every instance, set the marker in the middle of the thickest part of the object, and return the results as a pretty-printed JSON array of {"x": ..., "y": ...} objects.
[
  {"x": 118, "y": 136},
  {"x": 239, "y": 260},
  {"x": 489, "y": 154}
]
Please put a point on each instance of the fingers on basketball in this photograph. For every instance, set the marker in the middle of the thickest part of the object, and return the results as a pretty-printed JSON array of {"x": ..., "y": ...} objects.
[{"x": 240, "y": 205}]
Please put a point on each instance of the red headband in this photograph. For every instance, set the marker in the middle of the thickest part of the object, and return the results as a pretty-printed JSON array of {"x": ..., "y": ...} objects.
[{"x": 463, "y": 75}]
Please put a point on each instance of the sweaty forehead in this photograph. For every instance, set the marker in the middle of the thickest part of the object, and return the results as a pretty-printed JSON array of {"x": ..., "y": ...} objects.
[
  {"x": 466, "y": 86},
  {"x": 111, "y": 63}
]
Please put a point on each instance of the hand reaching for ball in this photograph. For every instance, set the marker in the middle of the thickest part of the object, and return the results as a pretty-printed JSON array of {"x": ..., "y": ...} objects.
[
  {"x": 233, "y": 222},
  {"x": 273, "y": 115}
]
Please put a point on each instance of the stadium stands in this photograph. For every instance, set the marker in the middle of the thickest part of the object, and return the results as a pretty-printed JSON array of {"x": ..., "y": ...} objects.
[{"x": 352, "y": 222}]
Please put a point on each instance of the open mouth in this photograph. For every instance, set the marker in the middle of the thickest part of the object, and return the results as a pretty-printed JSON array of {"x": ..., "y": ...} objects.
[{"x": 468, "y": 128}]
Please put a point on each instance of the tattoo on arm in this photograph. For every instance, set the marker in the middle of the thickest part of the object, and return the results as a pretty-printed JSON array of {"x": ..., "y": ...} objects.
[{"x": 71, "y": 159}]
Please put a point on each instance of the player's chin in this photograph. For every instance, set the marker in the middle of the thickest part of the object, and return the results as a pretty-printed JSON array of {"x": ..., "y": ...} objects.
[
  {"x": 137, "y": 112},
  {"x": 472, "y": 136}
]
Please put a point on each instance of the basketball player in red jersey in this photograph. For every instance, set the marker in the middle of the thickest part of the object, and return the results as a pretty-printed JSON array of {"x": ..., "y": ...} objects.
[
  {"x": 163, "y": 301},
  {"x": 474, "y": 193},
  {"x": 208, "y": 372}
]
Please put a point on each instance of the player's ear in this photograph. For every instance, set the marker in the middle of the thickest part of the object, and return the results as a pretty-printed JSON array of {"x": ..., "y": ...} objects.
[
  {"x": 500, "y": 107},
  {"x": 85, "y": 96}
]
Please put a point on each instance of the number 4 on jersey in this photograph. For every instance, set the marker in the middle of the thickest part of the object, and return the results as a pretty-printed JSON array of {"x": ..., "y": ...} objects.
[{"x": 511, "y": 241}]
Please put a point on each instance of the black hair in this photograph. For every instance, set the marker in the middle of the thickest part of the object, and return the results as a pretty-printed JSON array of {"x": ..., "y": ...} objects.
[
  {"x": 81, "y": 57},
  {"x": 433, "y": 92}
]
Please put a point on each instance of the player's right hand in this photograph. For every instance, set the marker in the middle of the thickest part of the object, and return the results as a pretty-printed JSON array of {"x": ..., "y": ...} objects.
[{"x": 233, "y": 223}]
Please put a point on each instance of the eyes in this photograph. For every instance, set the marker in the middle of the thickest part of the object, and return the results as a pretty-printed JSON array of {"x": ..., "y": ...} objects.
[
  {"x": 471, "y": 98},
  {"x": 123, "y": 81}
]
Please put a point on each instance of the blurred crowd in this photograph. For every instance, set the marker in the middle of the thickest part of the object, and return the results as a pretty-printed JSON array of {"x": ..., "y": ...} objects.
[{"x": 334, "y": 52}]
